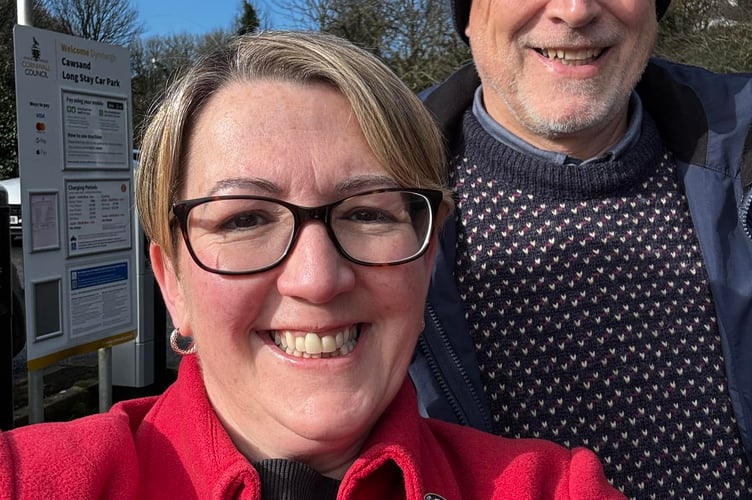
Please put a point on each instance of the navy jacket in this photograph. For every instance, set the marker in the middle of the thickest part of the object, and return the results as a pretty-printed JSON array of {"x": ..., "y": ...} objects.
[{"x": 705, "y": 119}]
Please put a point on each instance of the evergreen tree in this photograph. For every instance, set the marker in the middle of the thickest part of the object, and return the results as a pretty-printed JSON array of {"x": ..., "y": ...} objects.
[{"x": 249, "y": 20}]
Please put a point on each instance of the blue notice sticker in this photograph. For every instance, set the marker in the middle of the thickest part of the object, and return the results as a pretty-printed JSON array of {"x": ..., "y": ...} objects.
[{"x": 100, "y": 275}]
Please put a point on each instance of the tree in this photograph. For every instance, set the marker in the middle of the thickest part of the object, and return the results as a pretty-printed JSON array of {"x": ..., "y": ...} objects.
[
  {"x": 415, "y": 38},
  {"x": 8, "y": 132},
  {"x": 110, "y": 21},
  {"x": 425, "y": 47},
  {"x": 713, "y": 34},
  {"x": 248, "y": 22},
  {"x": 156, "y": 61}
]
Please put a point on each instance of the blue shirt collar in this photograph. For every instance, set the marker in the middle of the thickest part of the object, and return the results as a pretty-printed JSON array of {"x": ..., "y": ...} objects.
[{"x": 504, "y": 136}]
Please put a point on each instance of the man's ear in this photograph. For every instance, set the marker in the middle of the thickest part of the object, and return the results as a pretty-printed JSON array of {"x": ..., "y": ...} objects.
[{"x": 172, "y": 292}]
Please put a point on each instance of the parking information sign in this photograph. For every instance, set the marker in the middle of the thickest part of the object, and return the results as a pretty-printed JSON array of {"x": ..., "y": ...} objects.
[{"x": 73, "y": 101}]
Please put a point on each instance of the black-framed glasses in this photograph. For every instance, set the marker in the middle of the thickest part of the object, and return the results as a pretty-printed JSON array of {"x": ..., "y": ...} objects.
[{"x": 243, "y": 234}]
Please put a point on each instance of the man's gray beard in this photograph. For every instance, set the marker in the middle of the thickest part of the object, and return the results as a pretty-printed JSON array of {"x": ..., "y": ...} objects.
[{"x": 591, "y": 118}]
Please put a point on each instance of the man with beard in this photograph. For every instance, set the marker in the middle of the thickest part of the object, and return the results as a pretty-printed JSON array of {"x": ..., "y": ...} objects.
[{"x": 594, "y": 287}]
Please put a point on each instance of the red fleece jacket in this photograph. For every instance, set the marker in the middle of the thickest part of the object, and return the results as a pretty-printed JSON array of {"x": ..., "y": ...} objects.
[{"x": 173, "y": 446}]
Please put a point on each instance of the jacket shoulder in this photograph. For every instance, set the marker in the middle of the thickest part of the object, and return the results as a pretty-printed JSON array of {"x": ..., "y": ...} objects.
[
  {"x": 697, "y": 111},
  {"x": 449, "y": 99},
  {"x": 91, "y": 457},
  {"x": 502, "y": 468}
]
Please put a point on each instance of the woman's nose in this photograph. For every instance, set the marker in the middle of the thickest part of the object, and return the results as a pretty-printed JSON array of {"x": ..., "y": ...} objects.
[{"x": 314, "y": 270}]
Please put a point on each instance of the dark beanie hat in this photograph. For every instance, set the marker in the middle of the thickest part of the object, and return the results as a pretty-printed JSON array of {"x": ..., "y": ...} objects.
[{"x": 462, "y": 13}]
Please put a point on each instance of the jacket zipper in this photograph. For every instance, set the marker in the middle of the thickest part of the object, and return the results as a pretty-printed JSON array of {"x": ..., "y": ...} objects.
[
  {"x": 445, "y": 387},
  {"x": 744, "y": 214}
]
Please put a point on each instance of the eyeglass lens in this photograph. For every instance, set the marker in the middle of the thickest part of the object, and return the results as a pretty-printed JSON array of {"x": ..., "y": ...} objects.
[{"x": 248, "y": 234}]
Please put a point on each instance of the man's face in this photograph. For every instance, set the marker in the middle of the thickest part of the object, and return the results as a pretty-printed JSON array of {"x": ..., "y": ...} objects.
[{"x": 558, "y": 73}]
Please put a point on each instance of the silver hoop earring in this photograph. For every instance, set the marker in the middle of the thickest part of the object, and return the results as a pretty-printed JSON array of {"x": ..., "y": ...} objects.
[{"x": 174, "y": 336}]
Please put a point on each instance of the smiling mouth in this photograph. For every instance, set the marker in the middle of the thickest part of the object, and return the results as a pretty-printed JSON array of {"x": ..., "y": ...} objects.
[
  {"x": 571, "y": 57},
  {"x": 313, "y": 345}
]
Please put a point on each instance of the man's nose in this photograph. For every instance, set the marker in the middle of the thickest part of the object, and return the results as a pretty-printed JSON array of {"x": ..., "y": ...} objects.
[{"x": 575, "y": 13}]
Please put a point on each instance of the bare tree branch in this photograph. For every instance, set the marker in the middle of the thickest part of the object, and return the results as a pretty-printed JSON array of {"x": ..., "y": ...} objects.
[
  {"x": 110, "y": 21},
  {"x": 416, "y": 38}
]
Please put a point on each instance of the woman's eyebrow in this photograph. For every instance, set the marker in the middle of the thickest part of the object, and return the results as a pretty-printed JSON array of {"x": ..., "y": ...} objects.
[
  {"x": 345, "y": 187},
  {"x": 364, "y": 182},
  {"x": 246, "y": 184}
]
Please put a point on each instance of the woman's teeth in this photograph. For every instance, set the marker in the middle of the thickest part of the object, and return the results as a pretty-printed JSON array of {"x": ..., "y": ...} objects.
[{"x": 312, "y": 345}]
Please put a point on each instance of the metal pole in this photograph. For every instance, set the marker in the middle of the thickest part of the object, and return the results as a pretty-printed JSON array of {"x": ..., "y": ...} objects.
[
  {"x": 35, "y": 379},
  {"x": 36, "y": 396},
  {"x": 24, "y": 12},
  {"x": 6, "y": 316},
  {"x": 105, "y": 379}
]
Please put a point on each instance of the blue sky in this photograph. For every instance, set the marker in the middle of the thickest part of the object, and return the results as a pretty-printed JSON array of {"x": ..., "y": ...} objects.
[{"x": 165, "y": 17}]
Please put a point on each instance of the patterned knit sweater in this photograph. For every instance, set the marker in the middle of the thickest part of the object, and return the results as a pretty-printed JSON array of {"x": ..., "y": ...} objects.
[{"x": 591, "y": 314}]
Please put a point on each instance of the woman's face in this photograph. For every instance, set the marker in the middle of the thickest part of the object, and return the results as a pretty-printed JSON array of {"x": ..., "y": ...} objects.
[{"x": 300, "y": 144}]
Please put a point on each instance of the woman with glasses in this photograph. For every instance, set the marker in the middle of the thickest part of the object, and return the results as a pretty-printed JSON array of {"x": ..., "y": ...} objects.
[{"x": 291, "y": 188}]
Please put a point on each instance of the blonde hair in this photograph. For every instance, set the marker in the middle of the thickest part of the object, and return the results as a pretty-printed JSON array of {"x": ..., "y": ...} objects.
[{"x": 397, "y": 127}]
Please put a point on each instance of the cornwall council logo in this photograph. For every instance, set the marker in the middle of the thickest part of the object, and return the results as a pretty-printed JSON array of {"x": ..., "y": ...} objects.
[
  {"x": 34, "y": 65},
  {"x": 35, "y": 52}
]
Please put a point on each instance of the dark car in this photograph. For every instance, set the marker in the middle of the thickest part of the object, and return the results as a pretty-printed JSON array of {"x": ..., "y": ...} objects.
[
  {"x": 17, "y": 308},
  {"x": 13, "y": 188}
]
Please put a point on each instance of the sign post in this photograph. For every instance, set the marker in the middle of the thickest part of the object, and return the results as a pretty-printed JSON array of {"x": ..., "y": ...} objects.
[
  {"x": 73, "y": 101},
  {"x": 7, "y": 348}
]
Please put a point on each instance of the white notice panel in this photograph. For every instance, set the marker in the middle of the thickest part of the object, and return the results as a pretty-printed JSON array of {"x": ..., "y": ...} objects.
[
  {"x": 98, "y": 214},
  {"x": 44, "y": 219},
  {"x": 95, "y": 131},
  {"x": 100, "y": 297},
  {"x": 73, "y": 101}
]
